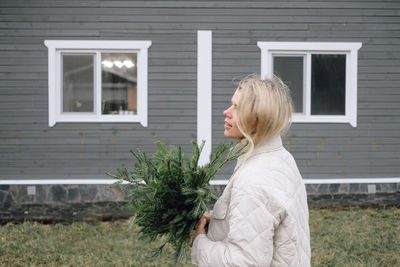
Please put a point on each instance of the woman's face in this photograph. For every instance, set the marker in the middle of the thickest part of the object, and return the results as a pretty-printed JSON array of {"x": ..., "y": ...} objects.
[{"x": 231, "y": 129}]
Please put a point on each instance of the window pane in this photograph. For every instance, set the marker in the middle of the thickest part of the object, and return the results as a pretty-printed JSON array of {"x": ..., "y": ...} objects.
[
  {"x": 290, "y": 71},
  {"x": 119, "y": 83},
  {"x": 328, "y": 83},
  {"x": 77, "y": 91}
]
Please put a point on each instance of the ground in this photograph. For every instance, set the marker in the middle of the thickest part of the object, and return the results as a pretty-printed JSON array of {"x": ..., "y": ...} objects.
[{"x": 339, "y": 237}]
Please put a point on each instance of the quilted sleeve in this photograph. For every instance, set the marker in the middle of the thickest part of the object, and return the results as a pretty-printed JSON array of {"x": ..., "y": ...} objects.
[{"x": 250, "y": 237}]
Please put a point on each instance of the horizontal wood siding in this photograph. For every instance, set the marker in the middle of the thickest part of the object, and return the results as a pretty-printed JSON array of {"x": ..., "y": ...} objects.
[{"x": 29, "y": 149}]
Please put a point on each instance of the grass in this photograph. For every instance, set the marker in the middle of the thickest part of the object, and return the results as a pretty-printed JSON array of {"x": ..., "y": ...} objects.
[
  {"x": 77, "y": 244},
  {"x": 355, "y": 237},
  {"x": 346, "y": 237}
]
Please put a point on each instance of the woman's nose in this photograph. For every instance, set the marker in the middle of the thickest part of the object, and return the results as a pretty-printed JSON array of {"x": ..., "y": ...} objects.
[{"x": 226, "y": 112}]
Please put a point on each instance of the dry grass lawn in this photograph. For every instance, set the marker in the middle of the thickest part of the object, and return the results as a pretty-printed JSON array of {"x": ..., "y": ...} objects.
[{"x": 345, "y": 237}]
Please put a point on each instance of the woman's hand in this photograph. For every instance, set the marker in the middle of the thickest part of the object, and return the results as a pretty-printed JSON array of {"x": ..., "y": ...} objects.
[
  {"x": 201, "y": 226},
  {"x": 207, "y": 216}
]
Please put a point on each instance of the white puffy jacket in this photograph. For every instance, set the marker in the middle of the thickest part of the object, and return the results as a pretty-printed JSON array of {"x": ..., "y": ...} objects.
[{"x": 261, "y": 219}]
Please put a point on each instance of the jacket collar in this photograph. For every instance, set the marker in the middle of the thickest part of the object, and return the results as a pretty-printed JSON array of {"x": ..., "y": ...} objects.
[
  {"x": 265, "y": 146},
  {"x": 268, "y": 145}
]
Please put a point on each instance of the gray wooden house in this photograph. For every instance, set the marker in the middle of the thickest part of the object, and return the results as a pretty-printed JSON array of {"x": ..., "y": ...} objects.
[{"x": 83, "y": 82}]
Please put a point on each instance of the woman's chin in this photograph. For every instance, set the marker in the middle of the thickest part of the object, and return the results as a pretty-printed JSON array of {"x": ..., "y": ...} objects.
[
  {"x": 231, "y": 135},
  {"x": 227, "y": 134}
]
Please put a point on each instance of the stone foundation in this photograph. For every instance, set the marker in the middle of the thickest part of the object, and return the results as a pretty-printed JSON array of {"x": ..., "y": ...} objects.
[
  {"x": 51, "y": 203},
  {"x": 345, "y": 195},
  {"x": 59, "y": 203}
]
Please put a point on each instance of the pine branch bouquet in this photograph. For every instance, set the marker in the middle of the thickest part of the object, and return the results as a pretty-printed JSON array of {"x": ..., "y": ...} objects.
[{"x": 169, "y": 192}]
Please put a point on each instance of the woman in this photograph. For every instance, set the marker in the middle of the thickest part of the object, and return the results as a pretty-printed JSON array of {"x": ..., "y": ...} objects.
[{"x": 261, "y": 218}]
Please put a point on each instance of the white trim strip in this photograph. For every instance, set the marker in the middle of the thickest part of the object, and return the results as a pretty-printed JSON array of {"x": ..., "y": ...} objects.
[
  {"x": 334, "y": 181},
  {"x": 212, "y": 182},
  {"x": 52, "y": 85},
  {"x": 353, "y": 181},
  {"x": 309, "y": 46},
  {"x": 97, "y": 44},
  {"x": 204, "y": 93},
  {"x": 57, "y": 181}
]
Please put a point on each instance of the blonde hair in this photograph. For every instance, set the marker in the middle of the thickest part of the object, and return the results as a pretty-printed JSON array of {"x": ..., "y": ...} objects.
[{"x": 264, "y": 109}]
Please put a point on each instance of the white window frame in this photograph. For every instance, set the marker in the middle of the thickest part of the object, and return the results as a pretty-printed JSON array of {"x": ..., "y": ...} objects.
[
  {"x": 55, "y": 50},
  {"x": 350, "y": 49}
]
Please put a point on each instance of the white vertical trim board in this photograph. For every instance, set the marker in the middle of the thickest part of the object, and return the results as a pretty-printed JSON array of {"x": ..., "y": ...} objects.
[
  {"x": 52, "y": 84},
  {"x": 143, "y": 83},
  {"x": 97, "y": 94},
  {"x": 204, "y": 93}
]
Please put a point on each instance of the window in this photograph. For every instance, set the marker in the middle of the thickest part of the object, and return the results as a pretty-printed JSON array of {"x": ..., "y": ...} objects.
[
  {"x": 322, "y": 78},
  {"x": 97, "y": 81}
]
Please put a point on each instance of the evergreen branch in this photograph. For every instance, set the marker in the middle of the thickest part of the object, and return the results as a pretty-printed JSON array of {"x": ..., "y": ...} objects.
[{"x": 175, "y": 191}]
